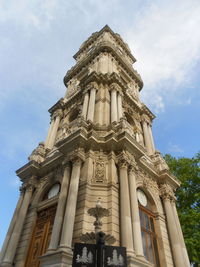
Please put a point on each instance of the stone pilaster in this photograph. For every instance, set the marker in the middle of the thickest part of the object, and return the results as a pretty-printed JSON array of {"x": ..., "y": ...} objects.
[
  {"x": 147, "y": 139},
  {"x": 167, "y": 196},
  {"x": 61, "y": 207},
  {"x": 91, "y": 108},
  {"x": 119, "y": 106},
  {"x": 151, "y": 138},
  {"x": 11, "y": 227},
  {"x": 56, "y": 117},
  {"x": 70, "y": 210},
  {"x": 85, "y": 105},
  {"x": 137, "y": 237},
  {"x": 49, "y": 132},
  {"x": 182, "y": 242},
  {"x": 14, "y": 239},
  {"x": 113, "y": 93},
  {"x": 125, "y": 212}
]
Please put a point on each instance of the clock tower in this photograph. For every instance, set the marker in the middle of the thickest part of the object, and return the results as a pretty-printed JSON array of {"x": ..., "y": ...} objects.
[{"x": 99, "y": 145}]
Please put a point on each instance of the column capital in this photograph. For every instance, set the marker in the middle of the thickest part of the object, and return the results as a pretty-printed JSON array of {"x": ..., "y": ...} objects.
[
  {"x": 92, "y": 85},
  {"x": 123, "y": 161},
  {"x": 145, "y": 118},
  {"x": 57, "y": 113},
  {"x": 166, "y": 192},
  {"x": 78, "y": 156},
  {"x": 86, "y": 91},
  {"x": 66, "y": 163},
  {"x": 29, "y": 185},
  {"x": 133, "y": 168},
  {"x": 115, "y": 87}
]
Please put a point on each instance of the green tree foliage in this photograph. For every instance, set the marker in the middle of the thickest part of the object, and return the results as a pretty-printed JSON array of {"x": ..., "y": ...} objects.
[{"x": 187, "y": 170}]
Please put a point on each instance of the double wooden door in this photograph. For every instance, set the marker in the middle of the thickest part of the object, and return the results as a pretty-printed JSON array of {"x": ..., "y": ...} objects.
[{"x": 41, "y": 236}]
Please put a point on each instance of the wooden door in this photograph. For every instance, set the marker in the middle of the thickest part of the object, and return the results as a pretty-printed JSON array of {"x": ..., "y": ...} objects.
[{"x": 41, "y": 236}]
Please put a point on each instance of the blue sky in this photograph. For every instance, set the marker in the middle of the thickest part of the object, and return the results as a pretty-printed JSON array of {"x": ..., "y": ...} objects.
[{"x": 37, "y": 42}]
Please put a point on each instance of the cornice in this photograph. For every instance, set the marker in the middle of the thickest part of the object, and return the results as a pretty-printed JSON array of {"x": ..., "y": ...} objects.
[
  {"x": 103, "y": 47},
  {"x": 106, "y": 78},
  {"x": 58, "y": 105},
  {"x": 147, "y": 111},
  {"x": 28, "y": 170}
]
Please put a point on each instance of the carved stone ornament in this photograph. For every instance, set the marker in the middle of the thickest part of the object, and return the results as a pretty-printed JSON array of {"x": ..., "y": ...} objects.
[
  {"x": 132, "y": 90},
  {"x": 72, "y": 86},
  {"x": 100, "y": 171},
  {"x": 159, "y": 162},
  {"x": 38, "y": 154},
  {"x": 77, "y": 157},
  {"x": 146, "y": 181},
  {"x": 166, "y": 192},
  {"x": 57, "y": 113},
  {"x": 123, "y": 160},
  {"x": 30, "y": 185},
  {"x": 115, "y": 86},
  {"x": 92, "y": 85},
  {"x": 133, "y": 166}
]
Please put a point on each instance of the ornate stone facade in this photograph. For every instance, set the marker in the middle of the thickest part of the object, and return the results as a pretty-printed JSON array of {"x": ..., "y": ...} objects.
[{"x": 99, "y": 145}]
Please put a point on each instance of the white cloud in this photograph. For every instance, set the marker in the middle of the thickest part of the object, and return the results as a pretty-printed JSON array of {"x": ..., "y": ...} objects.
[
  {"x": 174, "y": 148},
  {"x": 164, "y": 36},
  {"x": 166, "y": 42}
]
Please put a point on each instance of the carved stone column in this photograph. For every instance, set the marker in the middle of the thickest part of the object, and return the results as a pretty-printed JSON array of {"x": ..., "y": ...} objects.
[
  {"x": 68, "y": 224},
  {"x": 119, "y": 104},
  {"x": 113, "y": 105},
  {"x": 85, "y": 105},
  {"x": 151, "y": 138},
  {"x": 60, "y": 208},
  {"x": 147, "y": 139},
  {"x": 125, "y": 212},
  {"x": 91, "y": 107},
  {"x": 56, "y": 116},
  {"x": 11, "y": 227},
  {"x": 182, "y": 242},
  {"x": 14, "y": 239},
  {"x": 167, "y": 195},
  {"x": 137, "y": 237},
  {"x": 49, "y": 132}
]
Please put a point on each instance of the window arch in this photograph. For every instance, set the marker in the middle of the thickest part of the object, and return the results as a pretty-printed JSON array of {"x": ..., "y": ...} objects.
[
  {"x": 52, "y": 192},
  {"x": 149, "y": 236}
]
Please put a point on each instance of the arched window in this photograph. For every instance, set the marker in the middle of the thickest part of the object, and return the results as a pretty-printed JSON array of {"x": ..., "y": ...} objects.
[
  {"x": 52, "y": 192},
  {"x": 147, "y": 221}
]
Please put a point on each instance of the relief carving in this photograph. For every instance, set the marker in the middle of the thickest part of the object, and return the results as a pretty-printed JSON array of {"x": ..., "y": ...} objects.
[
  {"x": 99, "y": 174},
  {"x": 166, "y": 192},
  {"x": 72, "y": 86},
  {"x": 133, "y": 90},
  {"x": 38, "y": 154},
  {"x": 146, "y": 181}
]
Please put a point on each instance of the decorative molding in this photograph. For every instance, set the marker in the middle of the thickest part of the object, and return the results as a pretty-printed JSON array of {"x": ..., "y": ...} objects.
[
  {"x": 38, "y": 154},
  {"x": 99, "y": 171},
  {"x": 166, "y": 192},
  {"x": 115, "y": 86},
  {"x": 57, "y": 113},
  {"x": 72, "y": 87},
  {"x": 123, "y": 160},
  {"x": 143, "y": 179}
]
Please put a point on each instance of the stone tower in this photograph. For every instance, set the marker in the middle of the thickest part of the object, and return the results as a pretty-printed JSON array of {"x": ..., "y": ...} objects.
[{"x": 99, "y": 145}]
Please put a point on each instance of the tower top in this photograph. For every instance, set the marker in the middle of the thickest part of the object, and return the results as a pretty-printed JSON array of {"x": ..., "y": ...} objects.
[
  {"x": 104, "y": 42},
  {"x": 94, "y": 36}
]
